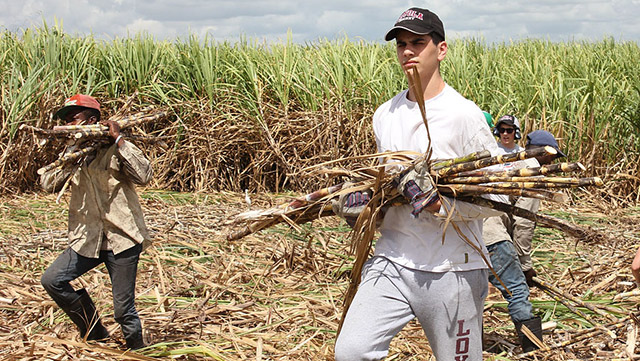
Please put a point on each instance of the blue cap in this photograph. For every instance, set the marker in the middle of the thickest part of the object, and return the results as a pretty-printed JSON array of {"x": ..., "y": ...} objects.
[{"x": 542, "y": 138}]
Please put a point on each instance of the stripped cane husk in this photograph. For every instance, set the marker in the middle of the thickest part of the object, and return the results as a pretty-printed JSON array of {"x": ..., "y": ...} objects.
[
  {"x": 499, "y": 159},
  {"x": 361, "y": 242}
]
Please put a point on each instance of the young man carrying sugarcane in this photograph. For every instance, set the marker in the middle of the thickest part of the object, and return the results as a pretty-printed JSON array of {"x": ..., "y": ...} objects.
[
  {"x": 420, "y": 268},
  {"x": 106, "y": 225},
  {"x": 508, "y": 237}
]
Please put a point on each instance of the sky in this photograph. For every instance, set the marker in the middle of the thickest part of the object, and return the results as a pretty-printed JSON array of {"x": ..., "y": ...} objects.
[{"x": 493, "y": 21}]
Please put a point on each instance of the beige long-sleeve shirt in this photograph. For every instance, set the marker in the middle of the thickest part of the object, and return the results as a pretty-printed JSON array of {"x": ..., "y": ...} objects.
[
  {"x": 508, "y": 227},
  {"x": 104, "y": 205}
]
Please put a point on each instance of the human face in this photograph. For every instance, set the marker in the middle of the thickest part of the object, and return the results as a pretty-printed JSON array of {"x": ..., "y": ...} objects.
[
  {"x": 419, "y": 51},
  {"x": 78, "y": 117},
  {"x": 507, "y": 135}
]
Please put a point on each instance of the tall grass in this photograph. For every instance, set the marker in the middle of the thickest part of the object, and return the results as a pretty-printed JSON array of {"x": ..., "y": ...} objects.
[{"x": 587, "y": 93}]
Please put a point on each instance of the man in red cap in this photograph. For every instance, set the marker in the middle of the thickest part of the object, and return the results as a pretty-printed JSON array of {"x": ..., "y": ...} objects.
[
  {"x": 106, "y": 225},
  {"x": 421, "y": 267}
]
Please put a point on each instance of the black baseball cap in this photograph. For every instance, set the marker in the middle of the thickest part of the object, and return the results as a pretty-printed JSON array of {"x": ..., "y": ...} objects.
[
  {"x": 508, "y": 119},
  {"x": 418, "y": 21}
]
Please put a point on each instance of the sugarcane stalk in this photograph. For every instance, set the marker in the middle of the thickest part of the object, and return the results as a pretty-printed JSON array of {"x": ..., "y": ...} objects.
[
  {"x": 467, "y": 158},
  {"x": 499, "y": 159},
  {"x": 524, "y": 172},
  {"x": 541, "y": 219},
  {"x": 44, "y": 132},
  {"x": 582, "y": 182},
  {"x": 579, "y": 182},
  {"x": 68, "y": 158},
  {"x": 314, "y": 196},
  {"x": 313, "y": 212},
  {"x": 458, "y": 190},
  {"x": 72, "y": 128},
  {"x": 99, "y": 130}
]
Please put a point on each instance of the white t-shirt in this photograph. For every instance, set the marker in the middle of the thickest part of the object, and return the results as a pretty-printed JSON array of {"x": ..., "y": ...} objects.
[{"x": 457, "y": 127}]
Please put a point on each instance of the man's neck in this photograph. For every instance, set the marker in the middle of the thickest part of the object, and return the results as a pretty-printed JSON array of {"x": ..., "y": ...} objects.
[
  {"x": 508, "y": 147},
  {"x": 430, "y": 87}
]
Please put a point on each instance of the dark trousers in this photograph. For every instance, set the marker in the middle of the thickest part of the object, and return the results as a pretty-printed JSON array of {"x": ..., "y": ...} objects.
[{"x": 122, "y": 271}]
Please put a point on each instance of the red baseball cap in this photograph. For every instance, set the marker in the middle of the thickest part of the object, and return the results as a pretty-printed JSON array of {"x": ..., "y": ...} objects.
[{"x": 77, "y": 101}]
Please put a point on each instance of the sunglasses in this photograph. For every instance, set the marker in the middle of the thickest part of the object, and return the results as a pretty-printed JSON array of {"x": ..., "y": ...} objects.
[{"x": 506, "y": 130}]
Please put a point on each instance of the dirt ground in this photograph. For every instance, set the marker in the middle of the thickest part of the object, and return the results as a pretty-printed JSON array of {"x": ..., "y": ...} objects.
[{"x": 277, "y": 295}]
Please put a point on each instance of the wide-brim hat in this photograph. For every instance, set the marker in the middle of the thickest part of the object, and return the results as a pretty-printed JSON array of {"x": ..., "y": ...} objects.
[{"x": 75, "y": 102}]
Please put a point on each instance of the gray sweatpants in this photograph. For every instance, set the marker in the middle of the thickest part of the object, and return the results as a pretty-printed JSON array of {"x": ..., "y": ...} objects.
[{"x": 448, "y": 306}]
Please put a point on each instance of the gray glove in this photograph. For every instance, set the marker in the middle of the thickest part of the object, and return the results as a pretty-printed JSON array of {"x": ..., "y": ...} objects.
[
  {"x": 418, "y": 188},
  {"x": 349, "y": 205}
]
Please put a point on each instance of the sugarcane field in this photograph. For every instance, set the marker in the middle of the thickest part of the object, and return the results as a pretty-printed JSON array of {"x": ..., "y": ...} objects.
[{"x": 251, "y": 144}]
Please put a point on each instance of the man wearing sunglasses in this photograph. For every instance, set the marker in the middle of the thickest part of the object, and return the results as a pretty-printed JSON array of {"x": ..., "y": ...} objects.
[
  {"x": 507, "y": 130},
  {"x": 508, "y": 240}
]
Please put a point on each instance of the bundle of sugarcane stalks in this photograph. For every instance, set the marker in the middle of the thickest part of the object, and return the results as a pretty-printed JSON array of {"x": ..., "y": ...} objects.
[
  {"x": 462, "y": 178},
  {"x": 93, "y": 136}
]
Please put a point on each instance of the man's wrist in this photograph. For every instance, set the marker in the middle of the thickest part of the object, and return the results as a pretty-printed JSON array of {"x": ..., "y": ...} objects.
[{"x": 118, "y": 139}]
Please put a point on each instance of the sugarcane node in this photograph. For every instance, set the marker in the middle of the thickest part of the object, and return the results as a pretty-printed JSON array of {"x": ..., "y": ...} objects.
[
  {"x": 598, "y": 181},
  {"x": 42, "y": 170}
]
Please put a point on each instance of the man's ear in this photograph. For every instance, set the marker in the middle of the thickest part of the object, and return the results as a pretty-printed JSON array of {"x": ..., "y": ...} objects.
[{"x": 442, "y": 50}]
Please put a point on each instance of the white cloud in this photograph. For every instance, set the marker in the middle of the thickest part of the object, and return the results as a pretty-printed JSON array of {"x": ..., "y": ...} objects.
[{"x": 496, "y": 20}]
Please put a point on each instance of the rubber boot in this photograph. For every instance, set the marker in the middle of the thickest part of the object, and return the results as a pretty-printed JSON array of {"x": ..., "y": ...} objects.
[
  {"x": 83, "y": 313},
  {"x": 535, "y": 326},
  {"x": 135, "y": 341}
]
